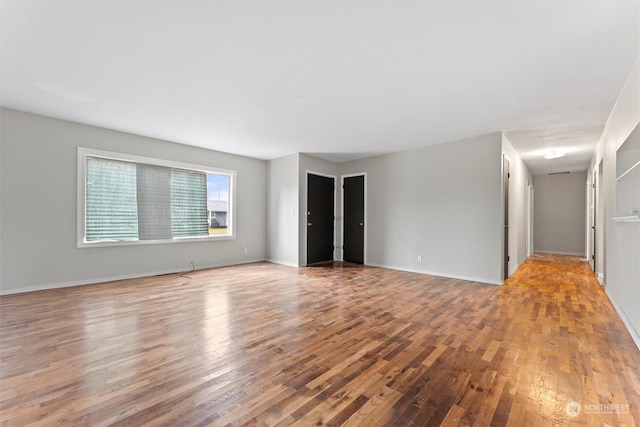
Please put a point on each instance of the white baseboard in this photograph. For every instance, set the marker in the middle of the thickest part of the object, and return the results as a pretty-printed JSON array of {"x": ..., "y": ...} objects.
[
  {"x": 281, "y": 262},
  {"x": 634, "y": 334},
  {"x": 446, "y": 275},
  {"x": 580, "y": 254},
  {"x": 122, "y": 277},
  {"x": 517, "y": 267}
]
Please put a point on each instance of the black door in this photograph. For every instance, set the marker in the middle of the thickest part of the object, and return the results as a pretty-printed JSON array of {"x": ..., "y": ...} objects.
[
  {"x": 353, "y": 192},
  {"x": 320, "y": 208}
]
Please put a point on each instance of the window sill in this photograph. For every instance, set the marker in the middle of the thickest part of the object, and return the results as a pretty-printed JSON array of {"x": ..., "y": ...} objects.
[{"x": 108, "y": 243}]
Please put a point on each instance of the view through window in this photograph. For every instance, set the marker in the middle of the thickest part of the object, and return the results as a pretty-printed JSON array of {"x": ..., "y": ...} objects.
[{"x": 128, "y": 199}]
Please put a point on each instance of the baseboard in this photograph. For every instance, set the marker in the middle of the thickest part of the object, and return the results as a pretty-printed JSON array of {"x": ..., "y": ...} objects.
[
  {"x": 580, "y": 254},
  {"x": 634, "y": 334},
  {"x": 445, "y": 275},
  {"x": 281, "y": 262},
  {"x": 517, "y": 267},
  {"x": 122, "y": 277}
]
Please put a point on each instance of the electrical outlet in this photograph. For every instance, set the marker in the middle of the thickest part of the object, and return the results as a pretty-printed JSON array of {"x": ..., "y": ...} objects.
[
  {"x": 419, "y": 258},
  {"x": 635, "y": 211},
  {"x": 246, "y": 251}
]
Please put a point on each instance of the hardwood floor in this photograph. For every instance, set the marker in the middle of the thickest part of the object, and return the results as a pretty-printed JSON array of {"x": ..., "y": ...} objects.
[{"x": 264, "y": 344}]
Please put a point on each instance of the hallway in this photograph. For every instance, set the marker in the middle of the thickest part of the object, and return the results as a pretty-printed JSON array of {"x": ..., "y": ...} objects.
[{"x": 570, "y": 346}]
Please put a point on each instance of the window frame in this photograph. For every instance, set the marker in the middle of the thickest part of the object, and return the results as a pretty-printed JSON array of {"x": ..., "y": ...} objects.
[{"x": 84, "y": 153}]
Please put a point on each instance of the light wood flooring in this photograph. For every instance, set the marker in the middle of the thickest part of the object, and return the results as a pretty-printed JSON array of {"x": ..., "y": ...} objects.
[{"x": 265, "y": 345}]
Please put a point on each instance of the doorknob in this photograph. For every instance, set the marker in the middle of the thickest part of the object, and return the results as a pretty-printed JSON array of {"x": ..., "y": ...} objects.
[
  {"x": 362, "y": 224},
  {"x": 309, "y": 224}
]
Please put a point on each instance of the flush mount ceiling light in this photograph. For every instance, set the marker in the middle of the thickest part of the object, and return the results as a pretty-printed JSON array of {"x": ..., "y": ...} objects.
[{"x": 554, "y": 154}]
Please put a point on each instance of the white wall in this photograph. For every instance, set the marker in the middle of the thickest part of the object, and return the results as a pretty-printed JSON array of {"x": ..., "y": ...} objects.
[
  {"x": 38, "y": 207},
  {"x": 520, "y": 178},
  {"x": 621, "y": 240},
  {"x": 442, "y": 202},
  {"x": 283, "y": 210},
  {"x": 559, "y": 213}
]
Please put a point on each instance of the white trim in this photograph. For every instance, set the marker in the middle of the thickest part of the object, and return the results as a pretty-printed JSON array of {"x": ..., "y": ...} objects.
[
  {"x": 600, "y": 223},
  {"x": 84, "y": 152},
  {"x": 629, "y": 218},
  {"x": 587, "y": 237},
  {"x": 529, "y": 202},
  {"x": 306, "y": 210},
  {"x": 630, "y": 170},
  {"x": 506, "y": 194},
  {"x": 580, "y": 254},
  {"x": 281, "y": 262},
  {"x": 634, "y": 334},
  {"x": 60, "y": 285},
  {"x": 366, "y": 222},
  {"x": 437, "y": 274}
]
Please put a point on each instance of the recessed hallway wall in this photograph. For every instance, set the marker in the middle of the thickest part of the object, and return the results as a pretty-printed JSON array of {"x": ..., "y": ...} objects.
[{"x": 559, "y": 213}]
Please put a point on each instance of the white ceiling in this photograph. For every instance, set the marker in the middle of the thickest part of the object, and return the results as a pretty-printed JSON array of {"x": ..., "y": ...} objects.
[
  {"x": 340, "y": 79},
  {"x": 578, "y": 144}
]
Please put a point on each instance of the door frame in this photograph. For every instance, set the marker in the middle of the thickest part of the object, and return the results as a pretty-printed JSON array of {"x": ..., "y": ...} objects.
[
  {"x": 529, "y": 201},
  {"x": 364, "y": 239},
  {"x": 600, "y": 234},
  {"x": 591, "y": 224},
  {"x": 305, "y": 213},
  {"x": 506, "y": 176}
]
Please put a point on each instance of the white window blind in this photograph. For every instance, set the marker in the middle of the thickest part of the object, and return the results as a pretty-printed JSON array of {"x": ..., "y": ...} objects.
[
  {"x": 134, "y": 201},
  {"x": 188, "y": 204},
  {"x": 111, "y": 212}
]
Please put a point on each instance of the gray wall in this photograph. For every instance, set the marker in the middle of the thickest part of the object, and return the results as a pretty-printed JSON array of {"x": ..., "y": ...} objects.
[
  {"x": 38, "y": 207},
  {"x": 441, "y": 202},
  {"x": 520, "y": 178},
  {"x": 559, "y": 217},
  {"x": 283, "y": 210},
  {"x": 621, "y": 250},
  {"x": 287, "y": 206}
]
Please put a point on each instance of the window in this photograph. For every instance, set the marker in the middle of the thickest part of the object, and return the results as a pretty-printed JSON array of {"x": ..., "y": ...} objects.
[{"x": 124, "y": 199}]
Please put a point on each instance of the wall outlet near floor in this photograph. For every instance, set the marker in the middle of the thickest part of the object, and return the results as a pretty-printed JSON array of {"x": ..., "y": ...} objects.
[
  {"x": 634, "y": 211},
  {"x": 419, "y": 258},
  {"x": 245, "y": 251}
]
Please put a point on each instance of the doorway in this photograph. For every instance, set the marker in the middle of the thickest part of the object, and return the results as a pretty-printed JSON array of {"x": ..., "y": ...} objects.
[
  {"x": 600, "y": 239},
  {"x": 505, "y": 185},
  {"x": 593, "y": 214},
  {"x": 353, "y": 228},
  {"x": 597, "y": 235},
  {"x": 320, "y": 218},
  {"x": 529, "y": 218}
]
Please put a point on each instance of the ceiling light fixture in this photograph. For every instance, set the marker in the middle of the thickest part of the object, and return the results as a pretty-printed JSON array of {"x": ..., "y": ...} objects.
[{"x": 554, "y": 154}]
